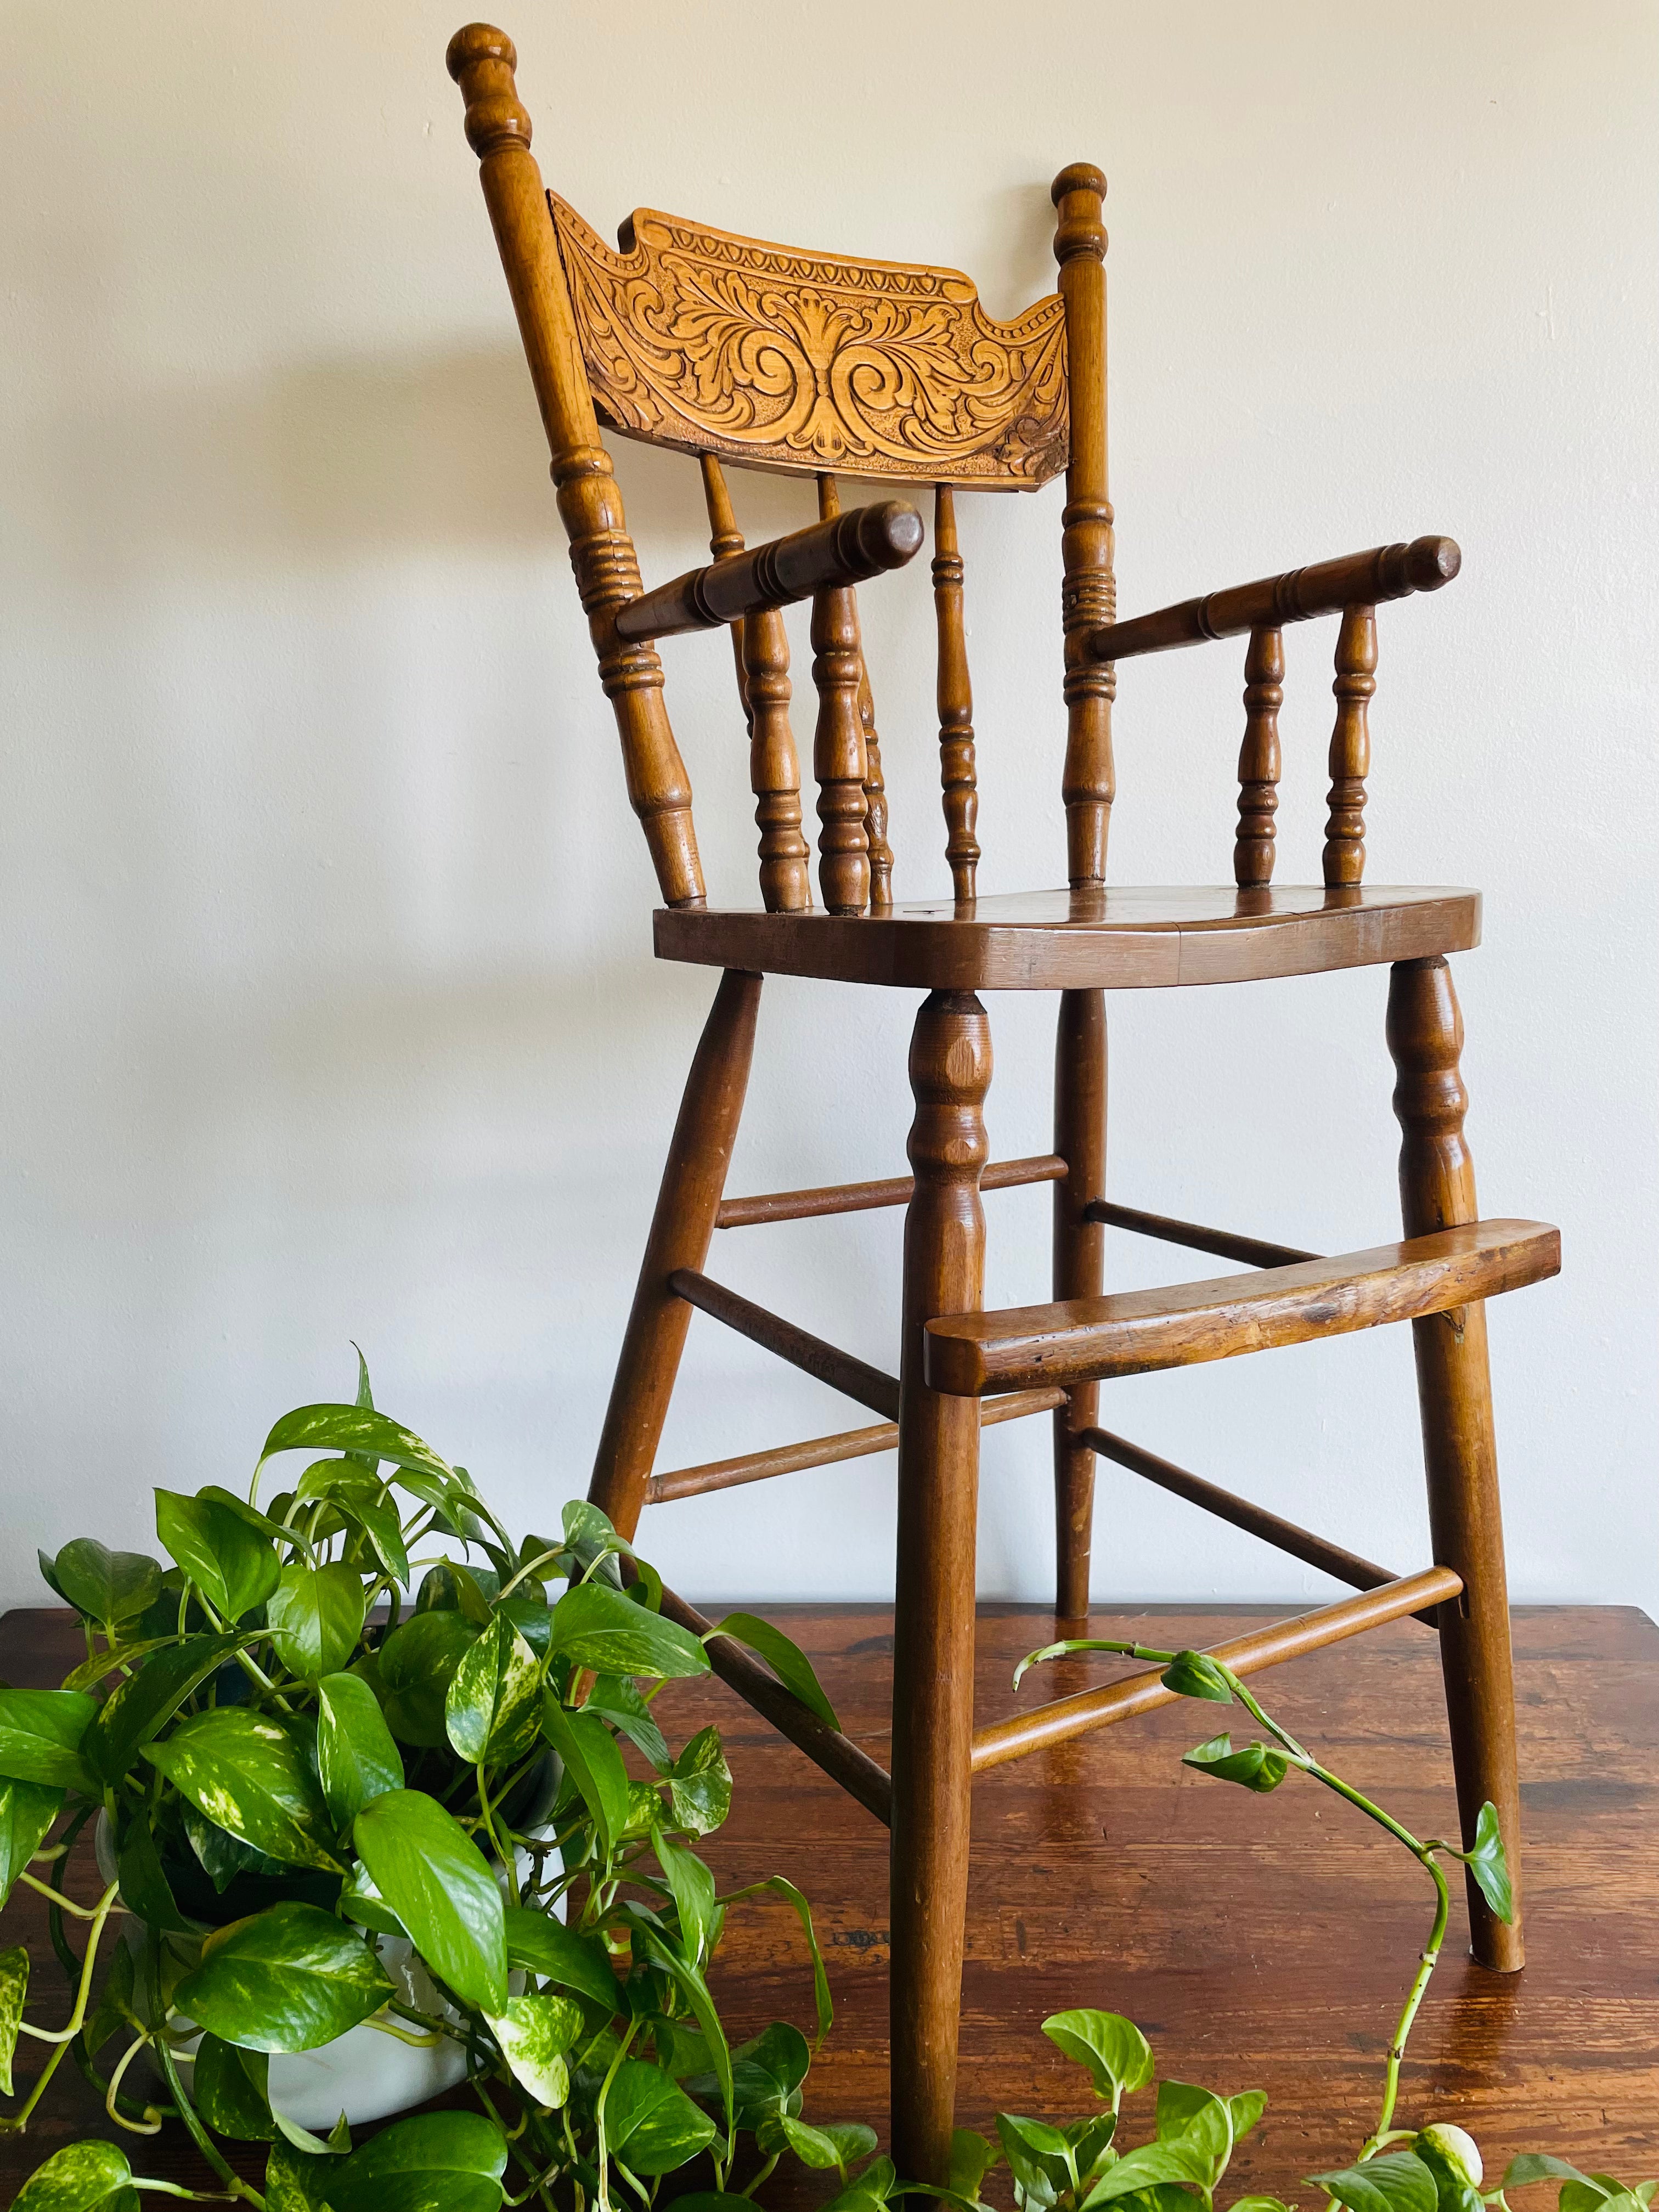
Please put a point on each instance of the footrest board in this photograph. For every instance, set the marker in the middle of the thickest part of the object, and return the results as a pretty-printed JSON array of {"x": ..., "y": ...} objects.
[{"x": 1134, "y": 1332}]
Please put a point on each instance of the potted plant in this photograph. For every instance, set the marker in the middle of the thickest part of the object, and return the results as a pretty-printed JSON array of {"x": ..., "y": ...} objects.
[{"x": 366, "y": 1826}]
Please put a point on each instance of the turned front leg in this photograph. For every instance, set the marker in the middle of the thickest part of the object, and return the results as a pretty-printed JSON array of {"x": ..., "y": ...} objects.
[
  {"x": 1079, "y": 1261},
  {"x": 1459, "y": 1451},
  {"x": 934, "y": 1626}
]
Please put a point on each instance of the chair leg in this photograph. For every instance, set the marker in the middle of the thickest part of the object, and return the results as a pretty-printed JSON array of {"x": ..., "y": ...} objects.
[
  {"x": 933, "y": 1629},
  {"x": 1454, "y": 1386},
  {"x": 1079, "y": 1258},
  {"x": 692, "y": 1183}
]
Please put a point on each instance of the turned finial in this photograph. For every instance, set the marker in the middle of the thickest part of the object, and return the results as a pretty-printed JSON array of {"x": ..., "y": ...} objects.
[
  {"x": 1077, "y": 192},
  {"x": 481, "y": 60}
]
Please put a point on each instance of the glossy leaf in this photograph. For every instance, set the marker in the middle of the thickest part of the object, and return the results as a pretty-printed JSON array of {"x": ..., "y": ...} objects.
[
  {"x": 434, "y": 2162},
  {"x": 786, "y": 1660},
  {"x": 868, "y": 2190},
  {"x": 434, "y": 1878},
  {"x": 1035, "y": 2153},
  {"x": 972, "y": 2157},
  {"x": 650, "y": 2122},
  {"x": 825, "y": 2010},
  {"x": 590, "y": 1536},
  {"x": 693, "y": 1888},
  {"x": 363, "y": 1501},
  {"x": 1153, "y": 2166},
  {"x": 546, "y": 1947},
  {"x": 1490, "y": 1865},
  {"x": 356, "y": 1429},
  {"x": 40, "y": 1731},
  {"x": 315, "y": 1616},
  {"x": 1256, "y": 1766},
  {"x": 596, "y": 1626},
  {"x": 1117, "y": 2055},
  {"x": 1245, "y": 2110},
  {"x": 104, "y": 1585},
  {"x": 1537, "y": 2165},
  {"x": 232, "y": 1563},
  {"x": 416, "y": 1664},
  {"x": 28, "y": 1810},
  {"x": 289, "y": 1979},
  {"x": 534, "y": 2033},
  {"x": 360, "y": 1900},
  {"x": 230, "y": 2088},
  {"x": 13, "y": 1989},
  {"x": 1195, "y": 1674},
  {"x": 614, "y": 1699},
  {"x": 82, "y": 2177},
  {"x": 593, "y": 1764},
  {"x": 137, "y": 1710},
  {"x": 1197, "y": 2119},
  {"x": 250, "y": 1778},
  {"x": 493, "y": 1706},
  {"x": 817, "y": 2148},
  {"x": 767, "y": 2073},
  {"x": 699, "y": 1785},
  {"x": 114, "y": 2008},
  {"x": 296, "y": 2182},
  {"x": 336, "y": 2145},
  {"x": 1393, "y": 2181},
  {"x": 661, "y": 1953},
  {"x": 222, "y": 1855},
  {"x": 145, "y": 1890},
  {"x": 356, "y": 1758}
]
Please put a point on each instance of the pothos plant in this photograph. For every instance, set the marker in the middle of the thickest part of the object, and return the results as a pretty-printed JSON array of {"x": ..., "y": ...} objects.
[{"x": 309, "y": 1748}]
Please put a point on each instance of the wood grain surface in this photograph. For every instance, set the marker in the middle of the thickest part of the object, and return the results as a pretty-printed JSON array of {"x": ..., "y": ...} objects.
[{"x": 1260, "y": 1942}]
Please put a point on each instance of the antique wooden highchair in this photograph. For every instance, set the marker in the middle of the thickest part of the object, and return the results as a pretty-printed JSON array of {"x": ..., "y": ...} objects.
[{"x": 734, "y": 351}]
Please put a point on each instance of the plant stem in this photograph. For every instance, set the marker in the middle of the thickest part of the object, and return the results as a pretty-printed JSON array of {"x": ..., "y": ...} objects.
[
  {"x": 187, "y": 2112},
  {"x": 151, "y": 2123},
  {"x": 97, "y": 1913}
]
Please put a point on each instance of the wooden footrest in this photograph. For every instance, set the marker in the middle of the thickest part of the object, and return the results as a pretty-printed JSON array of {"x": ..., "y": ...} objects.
[{"x": 1087, "y": 1340}]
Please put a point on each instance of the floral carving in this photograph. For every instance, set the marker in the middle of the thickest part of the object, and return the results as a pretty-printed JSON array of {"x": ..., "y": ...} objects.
[{"x": 715, "y": 343}]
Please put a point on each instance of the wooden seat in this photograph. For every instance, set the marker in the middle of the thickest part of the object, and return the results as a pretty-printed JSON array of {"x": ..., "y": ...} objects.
[{"x": 737, "y": 352}]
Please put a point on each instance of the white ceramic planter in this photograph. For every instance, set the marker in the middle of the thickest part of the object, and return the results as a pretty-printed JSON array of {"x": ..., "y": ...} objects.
[{"x": 364, "y": 2073}]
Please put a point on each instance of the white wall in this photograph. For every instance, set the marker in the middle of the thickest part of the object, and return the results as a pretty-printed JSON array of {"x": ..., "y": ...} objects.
[{"x": 328, "y": 1004}]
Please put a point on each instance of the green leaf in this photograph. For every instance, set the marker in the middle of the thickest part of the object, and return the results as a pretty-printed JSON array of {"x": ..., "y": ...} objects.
[
  {"x": 106, "y": 1586},
  {"x": 972, "y": 2158},
  {"x": 145, "y": 1889},
  {"x": 358, "y": 1429},
  {"x": 650, "y": 2124},
  {"x": 1245, "y": 2110},
  {"x": 13, "y": 1989},
  {"x": 593, "y": 1764},
  {"x": 434, "y": 2162},
  {"x": 1197, "y": 2120},
  {"x": 82, "y": 2177},
  {"x": 450, "y": 1587},
  {"x": 1154, "y": 2165},
  {"x": 1260, "y": 2204},
  {"x": 699, "y": 1785},
  {"x": 662, "y": 1953},
  {"x": 137, "y": 1710},
  {"x": 1395, "y": 2181},
  {"x": 1252, "y": 1765},
  {"x": 1195, "y": 1674},
  {"x": 360, "y": 1900},
  {"x": 40, "y": 1733},
  {"x": 356, "y": 1758},
  {"x": 362, "y": 1500},
  {"x": 114, "y": 2008},
  {"x": 232, "y": 1564},
  {"x": 819, "y": 2148},
  {"x": 289, "y": 1979},
  {"x": 434, "y": 1878},
  {"x": 596, "y": 1626},
  {"x": 493, "y": 1706},
  {"x": 822, "y": 2007},
  {"x": 315, "y": 1616},
  {"x": 230, "y": 2088},
  {"x": 1489, "y": 1865},
  {"x": 589, "y": 1536},
  {"x": 868, "y": 2190},
  {"x": 1091, "y": 2145},
  {"x": 558, "y": 1954},
  {"x": 614, "y": 1699},
  {"x": 786, "y": 1660},
  {"x": 1117, "y": 2055},
  {"x": 28, "y": 1810},
  {"x": 1538, "y": 2166},
  {"x": 418, "y": 1662},
  {"x": 767, "y": 2072},
  {"x": 693, "y": 1888},
  {"x": 250, "y": 1778},
  {"x": 113, "y": 1659},
  {"x": 1036, "y": 2157},
  {"x": 534, "y": 2033},
  {"x": 222, "y": 1855},
  {"x": 296, "y": 2182}
]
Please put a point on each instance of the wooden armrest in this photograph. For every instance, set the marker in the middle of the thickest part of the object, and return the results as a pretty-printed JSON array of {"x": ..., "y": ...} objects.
[
  {"x": 847, "y": 549},
  {"x": 1387, "y": 571}
]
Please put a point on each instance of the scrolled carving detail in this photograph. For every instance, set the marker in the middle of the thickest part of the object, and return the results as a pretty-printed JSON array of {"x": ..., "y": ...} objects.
[{"x": 715, "y": 344}]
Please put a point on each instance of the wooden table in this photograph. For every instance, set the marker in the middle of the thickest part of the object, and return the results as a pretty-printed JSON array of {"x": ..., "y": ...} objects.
[{"x": 1260, "y": 1942}]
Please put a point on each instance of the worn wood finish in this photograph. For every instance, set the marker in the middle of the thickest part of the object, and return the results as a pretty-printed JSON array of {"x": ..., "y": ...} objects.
[
  {"x": 1088, "y": 939},
  {"x": 933, "y": 1636},
  {"x": 1255, "y": 1251},
  {"x": 1044, "y": 1726},
  {"x": 882, "y": 369},
  {"x": 875, "y": 785},
  {"x": 839, "y": 550},
  {"x": 724, "y": 538},
  {"x": 1139, "y": 1331},
  {"x": 683, "y": 1222},
  {"x": 1264, "y": 1942},
  {"x": 1350, "y": 746},
  {"x": 1078, "y": 1270},
  {"x": 955, "y": 691},
  {"x": 827, "y": 1451},
  {"x": 482, "y": 62},
  {"x": 1325, "y": 588},
  {"x": 863, "y": 1197},
  {"x": 839, "y": 759},
  {"x": 1089, "y": 594},
  {"x": 1460, "y": 1449},
  {"x": 827, "y": 1363},
  {"x": 1259, "y": 758}
]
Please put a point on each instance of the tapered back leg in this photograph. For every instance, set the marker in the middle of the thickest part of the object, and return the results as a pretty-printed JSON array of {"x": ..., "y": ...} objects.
[
  {"x": 689, "y": 1198},
  {"x": 1460, "y": 1452},
  {"x": 1080, "y": 1259}
]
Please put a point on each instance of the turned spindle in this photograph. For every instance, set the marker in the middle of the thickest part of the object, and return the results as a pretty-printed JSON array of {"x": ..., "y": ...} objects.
[
  {"x": 958, "y": 774},
  {"x": 1258, "y": 759},
  {"x": 724, "y": 538},
  {"x": 839, "y": 759},
  {"x": 1350, "y": 747}
]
